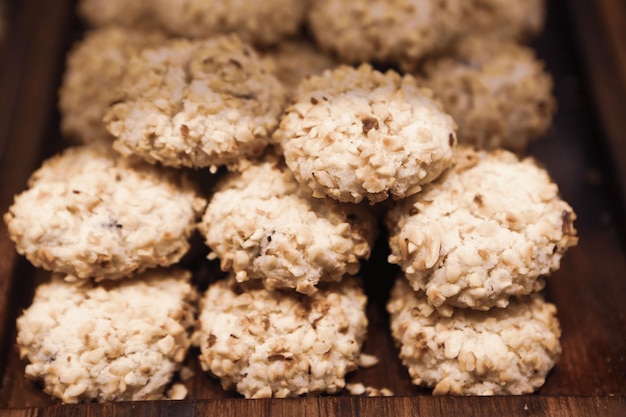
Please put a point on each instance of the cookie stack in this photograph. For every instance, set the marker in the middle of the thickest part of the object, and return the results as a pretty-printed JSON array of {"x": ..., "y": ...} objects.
[
  {"x": 475, "y": 247},
  {"x": 311, "y": 144},
  {"x": 109, "y": 229}
]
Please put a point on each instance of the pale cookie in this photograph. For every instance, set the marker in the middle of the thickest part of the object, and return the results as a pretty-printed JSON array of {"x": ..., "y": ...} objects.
[
  {"x": 297, "y": 59},
  {"x": 498, "y": 92},
  {"x": 490, "y": 228},
  {"x": 281, "y": 344},
  {"x": 93, "y": 71},
  {"x": 92, "y": 214},
  {"x": 502, "y": 351},
  {"x": 118, "y": 341},
  {"x": 259, "y": 22},
  {"x": 384, "y": 31},
  {"x": 357, "y": 133},
  {"x": 262, "y": 226},
  {"x": 502, "y": 19},
  {"x": 202, "y": 103},
  {"x": 100, "y": 13}
]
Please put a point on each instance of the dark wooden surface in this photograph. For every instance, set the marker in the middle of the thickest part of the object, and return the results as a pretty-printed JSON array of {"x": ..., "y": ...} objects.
[{"x": 584, "y": 46}]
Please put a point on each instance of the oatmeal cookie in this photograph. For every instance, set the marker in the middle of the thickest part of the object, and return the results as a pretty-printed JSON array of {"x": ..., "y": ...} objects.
[
  {"x": 384, "y": 31},
  {"x": 200, "y": 103},
  {"x": 94, "y": 69},
  {"x": 497, "y": 91},
  {"x": 281, "y": 344},
  {"x": 357, "y": 133},
  {"x": 90, "y": 213},
  {"x": 502, "y": 351},
  {"x": 259, "y": 22},
  {"x": 490, "y": 228},
  {"x": 117, "y": 341},
  {"x": 262, "y": 226}
]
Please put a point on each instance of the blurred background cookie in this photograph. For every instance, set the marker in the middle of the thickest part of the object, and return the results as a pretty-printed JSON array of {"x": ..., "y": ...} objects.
[
  {"x": 94, "y": 69},
  {"x": 382, "y": 31},
  {"x": 497, "y": 91},
  {"x": 259, "y": 22}
]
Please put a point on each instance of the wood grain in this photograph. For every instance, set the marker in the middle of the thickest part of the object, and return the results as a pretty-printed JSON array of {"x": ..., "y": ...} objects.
[
  {"x": 529, "y": 406},
  {"x": 584, "y": 152},
  {"x": 601, "y": 34}
]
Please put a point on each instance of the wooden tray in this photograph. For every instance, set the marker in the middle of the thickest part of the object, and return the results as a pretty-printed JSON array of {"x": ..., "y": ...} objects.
[{"x": 584, "y": 46}]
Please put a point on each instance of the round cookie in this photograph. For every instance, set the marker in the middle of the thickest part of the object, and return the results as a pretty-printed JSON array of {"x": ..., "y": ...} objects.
[
  {"x": 296, "y": 59},
  {"x": 505, "y": 19},
  {"x": 118, "y": 341},
  {"x": 92, "y": 214},
  {"x": 259, "y": 22},
  {"x": 281, "y": 344},
  {"x": 384, "y": 31},
  {"x": 357, "y": 133},
  {"x": 262, "y": 226},
  {"x": 100, "y": 13},
  {"x": 498, "y": 92},
  {"x": 502, "y": 351},
  {"x": 93, "y": 71},
  {"x": 490, "y": 228},
  {"x": 202, "y": 103}
]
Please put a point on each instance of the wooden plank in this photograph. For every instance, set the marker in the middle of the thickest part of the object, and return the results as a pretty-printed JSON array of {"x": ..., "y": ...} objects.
[
  {"x": 601, "y": 32},
  {"x": 530, "y": 406},
  {"x": 36, "y": 45}
]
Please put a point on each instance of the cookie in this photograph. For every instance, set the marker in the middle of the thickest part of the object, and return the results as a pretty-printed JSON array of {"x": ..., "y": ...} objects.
[
  {"x": 263, "y": 227},
  {"x": 90, "y": 213},
  {"x": 505, "y": 19},
  {"x": 490, "y": 228},
  {"x": 202, "y": 103},
  {"x": 281, "y": 344},
  {"x": 497, "y": 91},
  {"x": 296, "y": 59},
  {"x": 502, "y": 351},
  {"x": 94, "y": 68},
  {"x": 258, "y": 22},
  {"x": 100, "y": 13},
  {"x": 119, "y": 341},
  {"x": 382, "y": 31},
  {"x": 357, "y": 133}
]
